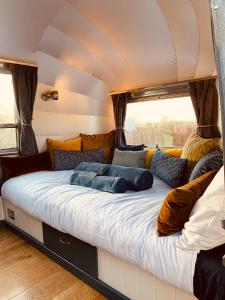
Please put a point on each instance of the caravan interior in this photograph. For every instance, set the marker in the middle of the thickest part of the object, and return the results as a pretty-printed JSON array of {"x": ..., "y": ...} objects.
[{"x": 111, "y": 149}]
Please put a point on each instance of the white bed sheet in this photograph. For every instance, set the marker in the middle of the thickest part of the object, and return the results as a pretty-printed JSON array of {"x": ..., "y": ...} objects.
[{"x": 123, "y": 224}]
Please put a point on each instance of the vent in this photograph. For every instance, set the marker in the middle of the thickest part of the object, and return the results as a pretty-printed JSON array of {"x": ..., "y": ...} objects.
[{"x": 11, "y": 214}]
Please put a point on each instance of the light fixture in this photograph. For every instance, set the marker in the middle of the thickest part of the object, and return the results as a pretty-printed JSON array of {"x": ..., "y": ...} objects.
[{"x": 54, "y": 95}]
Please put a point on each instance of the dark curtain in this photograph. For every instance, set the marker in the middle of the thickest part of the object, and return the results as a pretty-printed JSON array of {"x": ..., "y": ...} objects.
[
  {"x": 25, "y": 85},
  {"x": 119, "y": 108},
  {"x": 204, "y": 98}
]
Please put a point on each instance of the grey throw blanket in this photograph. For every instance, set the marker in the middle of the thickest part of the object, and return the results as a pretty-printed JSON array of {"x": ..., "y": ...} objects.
[
  {"x": 138, "y": 179},
  {"x": 100, "y": 169},
  {"x": 109, "y": 184},
  {"x": 102, "y": 183},
  {"x": 82, "y": 178}
]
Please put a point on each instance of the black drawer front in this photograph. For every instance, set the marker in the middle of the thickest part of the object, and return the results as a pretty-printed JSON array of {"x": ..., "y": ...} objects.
[{"x": 77, "y": 252}]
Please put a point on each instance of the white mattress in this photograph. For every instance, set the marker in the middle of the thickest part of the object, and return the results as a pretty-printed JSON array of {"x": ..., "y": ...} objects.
[{"x": 123, "y": 224}]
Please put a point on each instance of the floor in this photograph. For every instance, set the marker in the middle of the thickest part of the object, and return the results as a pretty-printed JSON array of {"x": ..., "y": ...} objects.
[{"x": 27, "y": 274}]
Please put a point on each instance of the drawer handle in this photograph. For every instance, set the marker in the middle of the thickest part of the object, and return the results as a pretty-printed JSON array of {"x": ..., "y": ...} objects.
[{"x": 64, "y": 242}]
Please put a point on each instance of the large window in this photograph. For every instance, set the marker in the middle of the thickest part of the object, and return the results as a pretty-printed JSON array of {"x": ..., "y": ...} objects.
[
  {"x": 8, "y": 115},
  {"x": 166, "y": 123}
]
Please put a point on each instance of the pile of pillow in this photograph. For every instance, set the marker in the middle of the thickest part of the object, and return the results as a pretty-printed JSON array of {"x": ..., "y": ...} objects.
[
  {"x": 62, "y": 155},
  {"x": 66, "y": 155},
  {"x": 204, "y": 159}
]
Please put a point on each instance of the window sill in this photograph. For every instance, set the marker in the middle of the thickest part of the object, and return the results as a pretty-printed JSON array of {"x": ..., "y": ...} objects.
[{"x": 6, "y": 152}]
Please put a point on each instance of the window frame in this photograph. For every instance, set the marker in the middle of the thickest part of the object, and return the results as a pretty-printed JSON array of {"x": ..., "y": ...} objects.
[
  {"x": 15, "y": 150},
  {"x": 162, "y": 92}
]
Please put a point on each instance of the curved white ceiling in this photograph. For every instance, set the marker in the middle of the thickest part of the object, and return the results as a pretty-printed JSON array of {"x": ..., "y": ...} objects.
[{"x": 125, "y": 44}]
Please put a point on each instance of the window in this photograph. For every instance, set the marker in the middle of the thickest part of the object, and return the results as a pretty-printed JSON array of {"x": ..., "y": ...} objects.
[
  {"x": 166, "y": 122},
  {"x": 8, "y": 115}
]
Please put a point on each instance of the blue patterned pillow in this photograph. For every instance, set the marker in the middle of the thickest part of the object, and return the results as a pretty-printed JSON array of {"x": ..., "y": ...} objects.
[
  {"x": 209, "y": 162},
  {"x": 169, "y": 169},
  {"x": 69, "y": 160}
]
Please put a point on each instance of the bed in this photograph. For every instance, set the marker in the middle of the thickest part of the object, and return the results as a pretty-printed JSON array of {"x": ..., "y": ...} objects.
[{"x": 121, "y": 226}]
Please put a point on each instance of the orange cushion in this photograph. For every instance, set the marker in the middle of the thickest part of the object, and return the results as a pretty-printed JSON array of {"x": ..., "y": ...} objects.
[
  {"x": 171, "y": 152},
  {"x": 69, "y": 145},
  {"x": 179, "y": 202},
  {"x": 105, "y": 141}
]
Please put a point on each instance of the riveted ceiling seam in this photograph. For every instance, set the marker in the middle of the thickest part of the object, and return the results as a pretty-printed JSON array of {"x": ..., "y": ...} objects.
[
  {"x": 171, "y": 37},
  {"x": 198, "y": 30}
]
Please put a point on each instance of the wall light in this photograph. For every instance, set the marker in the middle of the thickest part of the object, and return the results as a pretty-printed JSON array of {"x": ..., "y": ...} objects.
[{"x": 54, "y": 95}]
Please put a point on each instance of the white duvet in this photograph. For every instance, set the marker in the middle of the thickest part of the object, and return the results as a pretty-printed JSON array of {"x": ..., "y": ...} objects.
[{"x": 123, "y": 224}]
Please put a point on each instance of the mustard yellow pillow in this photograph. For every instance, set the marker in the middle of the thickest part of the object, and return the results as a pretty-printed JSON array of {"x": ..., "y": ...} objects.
[
  {"x": 179, "y": 202},
  {"x": 69, "y": 145},
  {"x": 105, "y": 141},
  {"x": 174, "y": 152},
  {"x": 196, "y": 147}
]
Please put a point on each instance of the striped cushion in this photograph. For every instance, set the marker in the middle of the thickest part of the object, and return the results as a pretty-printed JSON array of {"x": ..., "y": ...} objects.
[{"x": 196, "y": 147}]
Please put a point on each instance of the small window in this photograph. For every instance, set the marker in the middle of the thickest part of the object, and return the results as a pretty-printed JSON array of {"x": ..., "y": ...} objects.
[
  {"x": 166, "y": 123},
  {"x": 8, "y": 115}
]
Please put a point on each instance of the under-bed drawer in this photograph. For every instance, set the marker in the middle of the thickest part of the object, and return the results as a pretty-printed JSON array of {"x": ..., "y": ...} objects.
[{"x": 77, "y": 252}]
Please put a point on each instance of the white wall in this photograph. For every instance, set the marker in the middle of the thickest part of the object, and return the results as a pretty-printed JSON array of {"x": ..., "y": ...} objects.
[
  {"x": 72, "y": 114},
  {"x": 83, "y": 104}
]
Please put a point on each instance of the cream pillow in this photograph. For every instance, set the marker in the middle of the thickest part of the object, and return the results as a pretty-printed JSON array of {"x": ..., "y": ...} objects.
[{"x": 204, "y": 230}]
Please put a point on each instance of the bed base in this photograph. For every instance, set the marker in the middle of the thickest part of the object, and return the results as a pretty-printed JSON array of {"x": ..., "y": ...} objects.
[
  {"x": 2, "y": 223},
  {"x": 117, "y": 279},
  {"x": 96, "y": 284}
]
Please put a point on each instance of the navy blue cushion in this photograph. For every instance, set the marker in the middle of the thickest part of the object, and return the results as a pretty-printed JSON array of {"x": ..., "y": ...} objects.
[
  {"x": 132, "y": 147},
  {"x": 82, "y": 178},
  {"x": 109, "y": 184},
  {"x": 209, "y": 162},
  {"x": 69, "y": 160},
  {"x": 100, "y": 169},
  {"x": 138, "y": 179},
  {"x": 169, "y": 169}
]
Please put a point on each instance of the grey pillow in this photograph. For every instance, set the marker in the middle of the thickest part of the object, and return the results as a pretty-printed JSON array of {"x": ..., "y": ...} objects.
[
  {"x": 209, "y": 162},
  {"x": 69, "y": 160},
  {"x": 169, "y": 169},
  {"x": 134, "y": 159}
]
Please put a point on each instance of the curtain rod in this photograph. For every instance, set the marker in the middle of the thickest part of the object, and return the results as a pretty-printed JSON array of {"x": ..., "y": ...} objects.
[
  {"x": 160, "y": 86},
  {"x": 17, "y": 61}
]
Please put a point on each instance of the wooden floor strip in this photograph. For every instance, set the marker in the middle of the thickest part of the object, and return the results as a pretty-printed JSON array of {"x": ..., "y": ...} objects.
[{"x": 27, "y": 274}]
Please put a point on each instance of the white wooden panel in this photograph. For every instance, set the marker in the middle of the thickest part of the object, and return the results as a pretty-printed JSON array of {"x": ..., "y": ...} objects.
[
  {"x": 164, "y": 290},
  {"x": 179, "y": 294},
  {"x": 134, "y": 282},
  {"x": 116, "y": 273},
  {"x": 130, "y": 280},
  {"x": 73, "y": 103},
  {"x": 1, "y": 209},
  {"x": 104, "y": 266},
  {"x": 147, "y": 286},
  {"x": 65, "y": 126},
  {"x": 24, "y": 221}
]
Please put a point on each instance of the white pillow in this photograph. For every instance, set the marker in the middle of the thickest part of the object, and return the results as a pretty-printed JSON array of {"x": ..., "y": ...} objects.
[{"x": 204, "y": 229}]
